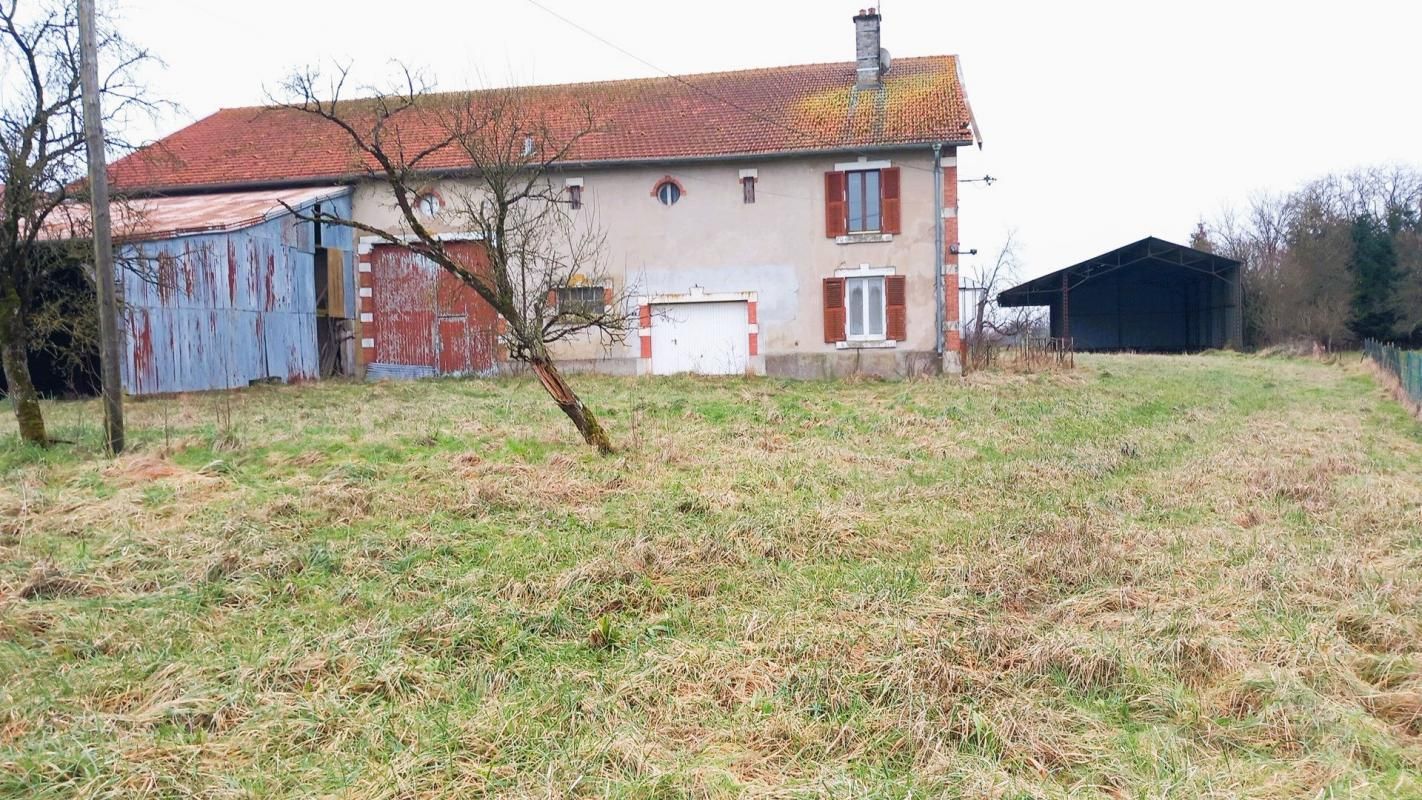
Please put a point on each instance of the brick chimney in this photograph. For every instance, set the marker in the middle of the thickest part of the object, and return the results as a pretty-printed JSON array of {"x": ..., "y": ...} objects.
[{"x": 868, "y": 55}]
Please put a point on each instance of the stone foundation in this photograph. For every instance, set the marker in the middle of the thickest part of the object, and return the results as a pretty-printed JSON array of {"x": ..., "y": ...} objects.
[
  {"x": 872, "y": 363},
  {"x": 843, "y": 364}
]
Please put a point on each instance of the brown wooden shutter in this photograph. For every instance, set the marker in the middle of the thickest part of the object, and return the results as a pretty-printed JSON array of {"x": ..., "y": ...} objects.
[
  {"x": 836, "y": 207},
  {"x": 896, "y": 308},
  {"x": 335, "y": 283},
  {"x": 889, "y": 200},
  {"x": 834, "y": 310}
]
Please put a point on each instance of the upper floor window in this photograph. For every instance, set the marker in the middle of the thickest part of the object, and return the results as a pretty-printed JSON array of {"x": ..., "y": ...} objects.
[
  {"x": 575, "y": 197},
  {"x": 862, "y": 200},
  {"x": 749, "y": 177}
]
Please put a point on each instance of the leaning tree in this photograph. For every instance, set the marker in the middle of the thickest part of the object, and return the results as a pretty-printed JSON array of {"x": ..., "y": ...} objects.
[
  {"x": 501, "y": 149},
  {"x": 42, "y": 164}
]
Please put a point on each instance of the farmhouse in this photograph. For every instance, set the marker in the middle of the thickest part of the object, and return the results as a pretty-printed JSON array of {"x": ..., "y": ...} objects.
[
  {"x": 796, "y": 221},
  {"x": 1151, "y": 295}
]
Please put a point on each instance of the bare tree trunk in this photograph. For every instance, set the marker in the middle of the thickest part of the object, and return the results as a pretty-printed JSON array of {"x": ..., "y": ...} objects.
[
  {"x": 15, "y": 361},
  {"x": 583, "y": 418}
]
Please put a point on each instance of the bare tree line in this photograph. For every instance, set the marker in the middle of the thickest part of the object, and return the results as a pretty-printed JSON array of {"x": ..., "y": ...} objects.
[{"x": 1333, "y": 262}]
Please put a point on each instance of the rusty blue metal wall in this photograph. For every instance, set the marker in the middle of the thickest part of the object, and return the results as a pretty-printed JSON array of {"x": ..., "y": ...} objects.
[{"x": 221, "y": 310}]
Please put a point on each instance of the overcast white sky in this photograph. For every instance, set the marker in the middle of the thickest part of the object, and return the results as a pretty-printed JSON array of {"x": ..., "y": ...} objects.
[{"x": 1105, "y": 121}]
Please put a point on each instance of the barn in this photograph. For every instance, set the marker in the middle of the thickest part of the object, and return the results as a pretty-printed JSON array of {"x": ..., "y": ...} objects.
[
  {"x": 220, "y": 291},
  {"x": 224, "y": 290},
  {"x": 1148, "y": 296}
]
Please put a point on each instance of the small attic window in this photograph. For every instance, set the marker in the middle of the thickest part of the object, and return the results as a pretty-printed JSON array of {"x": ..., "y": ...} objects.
[
  {"x": 668, "y": 191},
  {"x": 428, "y": 205}
]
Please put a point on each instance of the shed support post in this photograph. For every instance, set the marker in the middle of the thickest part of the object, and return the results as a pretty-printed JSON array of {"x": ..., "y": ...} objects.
[
  {"x": 1236, "y": 298},
  {"x": 1066, "y": 308}
]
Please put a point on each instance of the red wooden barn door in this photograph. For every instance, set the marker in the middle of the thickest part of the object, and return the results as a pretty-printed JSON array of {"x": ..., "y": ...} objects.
[
  {"x": 402, "y": 290},
  {"x": 466, "y": 323},
  {"x": 426, "y": 317}
]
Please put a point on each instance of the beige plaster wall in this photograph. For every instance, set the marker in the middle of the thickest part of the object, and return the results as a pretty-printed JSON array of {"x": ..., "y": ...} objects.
[{"x": 776, "y": 247}]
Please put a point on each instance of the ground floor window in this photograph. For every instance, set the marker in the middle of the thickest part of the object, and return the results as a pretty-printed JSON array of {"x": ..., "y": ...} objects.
[
  {"x": 581, "y": 301},
  {"x": 864, "y": 301}
]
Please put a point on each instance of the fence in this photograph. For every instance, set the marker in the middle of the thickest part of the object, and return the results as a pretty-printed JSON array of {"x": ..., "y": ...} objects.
[
  {"x": 1026, "y": 354},
  {"x": 1404, "y": 365}
]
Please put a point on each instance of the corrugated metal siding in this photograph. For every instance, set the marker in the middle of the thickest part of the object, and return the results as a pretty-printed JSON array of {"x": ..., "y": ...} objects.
[
  {"x": 380, "y": 372},
  {"x": 221, "y": 310}
]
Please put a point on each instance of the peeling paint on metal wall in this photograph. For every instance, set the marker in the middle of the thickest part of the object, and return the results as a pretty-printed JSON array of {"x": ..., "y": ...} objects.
[
  {"x": 226, "y": 308},
  {"x": 404, "y": 299}
]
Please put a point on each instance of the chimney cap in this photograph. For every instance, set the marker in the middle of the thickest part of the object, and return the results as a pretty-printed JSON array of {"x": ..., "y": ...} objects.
[{"x": 867, "y": 13}]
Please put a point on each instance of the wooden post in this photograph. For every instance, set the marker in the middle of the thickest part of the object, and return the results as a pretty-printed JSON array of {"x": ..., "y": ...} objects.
[{"x": 103, "y": 235}]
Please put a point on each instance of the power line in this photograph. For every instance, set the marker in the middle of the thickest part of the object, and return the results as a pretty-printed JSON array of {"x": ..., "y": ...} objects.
[{"x": 816, "y": 138}]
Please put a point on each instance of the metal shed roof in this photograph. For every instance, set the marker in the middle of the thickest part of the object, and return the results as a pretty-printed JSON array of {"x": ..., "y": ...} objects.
[
  {"x": 147, "y": 219},
  {"x": 1149, "y": 251}
]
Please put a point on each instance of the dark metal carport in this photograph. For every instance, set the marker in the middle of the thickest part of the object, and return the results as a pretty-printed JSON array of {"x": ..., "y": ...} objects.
[{"x": 1151, "y": 295}]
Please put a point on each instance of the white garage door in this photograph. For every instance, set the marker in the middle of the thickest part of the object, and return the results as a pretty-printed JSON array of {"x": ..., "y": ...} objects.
[{"x": 703, "y": 338}]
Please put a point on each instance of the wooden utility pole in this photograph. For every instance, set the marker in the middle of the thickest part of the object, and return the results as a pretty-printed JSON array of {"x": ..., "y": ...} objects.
[{"x": 103, "y": 234}]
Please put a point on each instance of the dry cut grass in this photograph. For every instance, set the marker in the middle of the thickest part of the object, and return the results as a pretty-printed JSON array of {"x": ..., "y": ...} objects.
[{"x": 1151, "y": 577}]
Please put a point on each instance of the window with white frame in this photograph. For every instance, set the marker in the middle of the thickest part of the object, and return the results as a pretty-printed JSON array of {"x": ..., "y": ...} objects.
[
  {"x": 863, "y": 196},
  {"x": 668, "y": 193},
  {"x": 864, "y": 309}
]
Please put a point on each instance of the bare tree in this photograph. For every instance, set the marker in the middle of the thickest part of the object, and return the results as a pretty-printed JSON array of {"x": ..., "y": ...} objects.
[
  {"x": 42, "y": 162},
  {"x": 991, "y": 321},
  {"x": 1298, "y": 249},
  {"x": 508, "y": 146}
]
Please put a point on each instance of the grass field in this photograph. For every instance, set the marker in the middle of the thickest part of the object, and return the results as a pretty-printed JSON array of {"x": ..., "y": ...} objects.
[{"x": 1152, "y": 577}]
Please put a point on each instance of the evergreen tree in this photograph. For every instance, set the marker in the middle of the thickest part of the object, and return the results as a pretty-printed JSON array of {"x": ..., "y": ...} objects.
[
  {"x": 1375, "y": 276},
  {"x": 1200, "y": 239}
]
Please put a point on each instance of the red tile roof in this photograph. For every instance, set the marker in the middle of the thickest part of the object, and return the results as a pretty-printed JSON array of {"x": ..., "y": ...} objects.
[{"x": 723, "y": 114}]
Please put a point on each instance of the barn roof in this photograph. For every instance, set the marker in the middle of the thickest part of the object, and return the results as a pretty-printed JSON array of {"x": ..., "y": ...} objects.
[
  {"x": 778, "y": 110},
  {"x": 1148, "y": 253},
  {"x": 152, "y": 218}
]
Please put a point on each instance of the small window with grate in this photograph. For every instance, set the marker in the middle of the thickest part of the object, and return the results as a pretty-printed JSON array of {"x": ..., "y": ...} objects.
[
  {"x": 581, "y": 301},
  {"x": 748, "y": 190}
]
